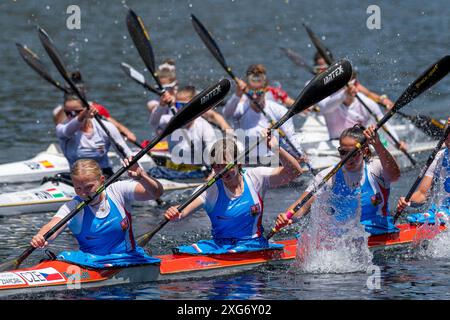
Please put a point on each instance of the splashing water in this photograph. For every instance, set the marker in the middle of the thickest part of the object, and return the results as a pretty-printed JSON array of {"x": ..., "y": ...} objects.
[{"x": 332, "y": 246}]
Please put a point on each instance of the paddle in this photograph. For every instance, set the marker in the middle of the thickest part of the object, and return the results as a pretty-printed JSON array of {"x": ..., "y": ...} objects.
[
  {"x": 36, "y": 64},
  {"x": 320, "y": 87},
  {"x": 297, "y": 60},
  {"x": 214, "y": 49},
  {"x": 55, "y": 57},
  {"x": 423, "y": 171},
  {"x": 325, "y": 54},
  {"x": 195, "y": 108},
  {"x": 141, "y": 41},
  {"x": 431, "y": 127},
  {"x": 139, "y": 78},
  {"x": 430, "y": 77}
]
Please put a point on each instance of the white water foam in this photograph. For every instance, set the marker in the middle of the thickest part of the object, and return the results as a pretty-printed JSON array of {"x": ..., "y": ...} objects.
[{"x": 330, "y": 246}]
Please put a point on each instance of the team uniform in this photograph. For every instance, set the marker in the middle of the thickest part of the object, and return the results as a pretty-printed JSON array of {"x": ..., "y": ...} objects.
[
  {"x": 439, "y": 171},
  {"x": 76, "y": 144},
  {"x": 236, "y": 221},
  {"x": 339, "y": 117},
  {"x": 367, "y": 190},
  {"x": 104, "y": 232},
  {"x": 253, "y": 123},
  {"x": 201, "y": 135}
]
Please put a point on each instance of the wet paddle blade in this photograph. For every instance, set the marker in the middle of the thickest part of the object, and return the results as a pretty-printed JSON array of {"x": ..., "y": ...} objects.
[
  {"x": 297, "y": 59},
  {"x": 320, "y": 87},
  {"x": 141, "y": 40},
  {"x": 210, "y": 43},
  {"x": 430, "y": 77},
  {"x": 36, "y": 64},
  {"x": 319, "y": 46}
]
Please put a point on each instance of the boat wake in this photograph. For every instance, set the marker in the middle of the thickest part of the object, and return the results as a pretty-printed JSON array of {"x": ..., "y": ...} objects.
[{"x": 332, "y": 246}]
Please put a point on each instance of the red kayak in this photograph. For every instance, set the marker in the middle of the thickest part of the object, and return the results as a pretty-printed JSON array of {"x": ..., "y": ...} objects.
[{"x": 58, "y": 275}]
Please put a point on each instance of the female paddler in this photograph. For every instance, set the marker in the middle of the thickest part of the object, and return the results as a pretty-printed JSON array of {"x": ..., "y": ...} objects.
[
  {"x": 103, "y": 229},
  {"x": 363, "y": 182},
  {"x": 235, "y": 203},
  {"x": 437, "y": 178},
  {"x": 82, "y": 137}
]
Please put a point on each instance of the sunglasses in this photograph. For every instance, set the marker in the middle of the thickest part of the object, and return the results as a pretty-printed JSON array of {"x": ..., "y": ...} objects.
[
  {"x": 72, "y": 113},
  {"x": 343, "y": 152},
  {"x": 258, "y": 92},
  {"x": 180, "y": 105}
]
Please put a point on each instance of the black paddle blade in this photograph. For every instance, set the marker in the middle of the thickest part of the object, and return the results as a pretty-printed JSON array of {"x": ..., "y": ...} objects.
[
  {"x": 138, "y": 77},
  {"x": 320, "y": 87},
  {"x": 297, "y": 59},
  {"x": 141, "y": 41},
  {"x": 52, "y": 52},
  {"x": 36, "y": 64},
  {"x": 201, "y": 103},
  {"x": 319, "y": 46},
  {"x": 429, "y": 78},
  {"x": 209, "y": 42}
]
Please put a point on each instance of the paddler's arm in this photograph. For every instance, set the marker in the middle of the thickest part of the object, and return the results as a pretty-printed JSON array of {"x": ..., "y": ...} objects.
[
  {"x": 390, "y": 166},
  {"x": 375, "y": 97},
  {"x": 418, "y": 197},
  {"x": 173, "y": 214},
  {"x": 290, "y": 167},
  {"x": 288, "y": 217},
  {"x": 123, "y": 129},
  {"x": 217, "y": 119},
  {"x": 38, "y": 240},
  {"x": 147, "y": 188}
]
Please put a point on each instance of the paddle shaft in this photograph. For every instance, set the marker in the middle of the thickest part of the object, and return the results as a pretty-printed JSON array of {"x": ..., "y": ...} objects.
[
  {"x": 83, "y": 204},
  {"x": 430, "y": 77},
  {"x": 396, "y": 142},
  {"x": 326, "y": 56},
  {"x": 423, "y": 171}
]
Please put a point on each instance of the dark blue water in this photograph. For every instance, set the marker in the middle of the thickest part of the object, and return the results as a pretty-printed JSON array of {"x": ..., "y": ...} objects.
[{"x": 412, "y": 36}]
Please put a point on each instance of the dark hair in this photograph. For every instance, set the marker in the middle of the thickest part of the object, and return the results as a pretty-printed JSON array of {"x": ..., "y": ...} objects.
[
  {"x": 357, "y": 132},
  {"x": 317, "y": 55},
  {"x": 79, "y": 83}
]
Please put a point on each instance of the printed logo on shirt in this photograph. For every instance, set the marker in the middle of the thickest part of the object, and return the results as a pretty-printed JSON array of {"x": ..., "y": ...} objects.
[
  {"x": 376, "y": 199},
  {"x": 124, "y": 224},
  {"x": 255, "y": 209},
  {"x": 101, "y": 150}
]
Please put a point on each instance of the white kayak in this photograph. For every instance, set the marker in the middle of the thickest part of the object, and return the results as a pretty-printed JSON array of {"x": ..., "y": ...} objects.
[
  {"x": 317, "y": 144},
  {"x": 49, "y": 196},
  {"x": 46, "y": 163}
]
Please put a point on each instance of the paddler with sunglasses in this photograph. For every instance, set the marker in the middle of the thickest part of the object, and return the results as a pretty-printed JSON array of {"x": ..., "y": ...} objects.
[
  {"x": 248, "y": 117},
  {"x": 60, "y": 116},
  {"x": 363, "y": 183},
  {"x": 81, "y": 137}
]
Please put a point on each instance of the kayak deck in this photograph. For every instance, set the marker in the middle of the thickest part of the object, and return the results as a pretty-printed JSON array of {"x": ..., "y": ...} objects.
[{"x": 59, "y": 275}]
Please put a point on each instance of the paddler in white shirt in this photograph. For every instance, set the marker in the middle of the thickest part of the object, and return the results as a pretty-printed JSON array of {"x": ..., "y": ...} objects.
[
  {"x": 343, "y": 110},
  {"x": 247, "y": 115}
]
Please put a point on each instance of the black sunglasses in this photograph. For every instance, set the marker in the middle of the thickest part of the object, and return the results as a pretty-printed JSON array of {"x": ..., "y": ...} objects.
[
  {"x": 343, "y": 152},
  {"x": 72, "y": 113}
]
